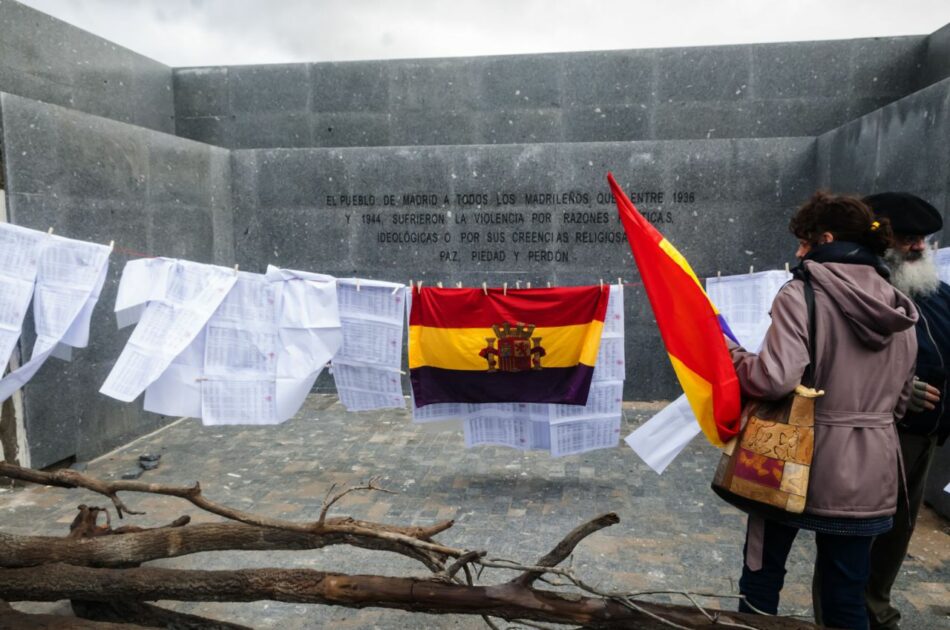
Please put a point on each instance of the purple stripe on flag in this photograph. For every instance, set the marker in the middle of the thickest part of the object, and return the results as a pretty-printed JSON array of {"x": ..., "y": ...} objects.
[
  {"x": 725, "y": 328},
  {"x": 566, "y": 386}
]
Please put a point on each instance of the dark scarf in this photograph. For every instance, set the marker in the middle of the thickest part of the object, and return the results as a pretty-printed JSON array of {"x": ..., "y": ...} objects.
[{"x": 844, "y": 252}]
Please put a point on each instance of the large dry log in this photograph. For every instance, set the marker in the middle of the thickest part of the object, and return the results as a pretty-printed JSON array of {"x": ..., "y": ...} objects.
[
  {"x": 152, "y": 544},
  {"x": 506, "y": 601}
]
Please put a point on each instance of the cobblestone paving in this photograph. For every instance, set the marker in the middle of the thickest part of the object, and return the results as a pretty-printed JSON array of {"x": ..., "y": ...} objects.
[{"x": 674, "y": 533}]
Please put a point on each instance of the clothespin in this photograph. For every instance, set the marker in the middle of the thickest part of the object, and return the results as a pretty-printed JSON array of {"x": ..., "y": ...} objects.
[
  {"x": 504, "y": 290},
  {"x": 786, "y": 268},
  {"x": 111, "y": 245},
  {"x": 549, "y": 285},
  {"x": 401, "y": 372},
  {"x": 419, "y": 286},
  {"x": 529, "y": 285},
  {"x": 439, "y": 284},
  {"x": 485, "y": 288},
  {"x": 357, "y": 285},
  {"x": 235, "y": 269},
  {"x": 751, "y": 269},
  {"x": 619, "y": 282},
  {"x": 396, "y": 289},
  {"x": 458, "y": 285},
  {"x": 49, "y": 231},
  {"x": 411, "y": 286},
  {"x": 517, "y": 284},
  {"x": 601, "y": 284},
  {"x": 718, "y": 274}
]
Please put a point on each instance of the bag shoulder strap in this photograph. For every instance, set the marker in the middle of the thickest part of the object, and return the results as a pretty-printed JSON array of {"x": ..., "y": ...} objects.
[{"x": 808, "y": 378}]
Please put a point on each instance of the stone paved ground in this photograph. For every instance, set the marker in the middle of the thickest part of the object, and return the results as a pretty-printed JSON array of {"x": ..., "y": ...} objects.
[{"x": 673, "y": 534}]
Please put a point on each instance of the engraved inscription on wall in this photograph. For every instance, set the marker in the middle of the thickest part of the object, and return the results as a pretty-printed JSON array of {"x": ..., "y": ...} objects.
[{"x": 501, "y": 226}]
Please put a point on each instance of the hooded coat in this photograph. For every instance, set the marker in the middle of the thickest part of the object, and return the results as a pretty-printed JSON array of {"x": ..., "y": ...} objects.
[{"x": 865, "y": 347}]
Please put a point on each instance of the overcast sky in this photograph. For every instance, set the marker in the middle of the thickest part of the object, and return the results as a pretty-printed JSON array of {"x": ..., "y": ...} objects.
[{"x": 228, "y": 32}]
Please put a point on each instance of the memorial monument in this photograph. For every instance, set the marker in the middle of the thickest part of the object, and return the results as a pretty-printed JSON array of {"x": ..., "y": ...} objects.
[{"x": 467, "y": 170}]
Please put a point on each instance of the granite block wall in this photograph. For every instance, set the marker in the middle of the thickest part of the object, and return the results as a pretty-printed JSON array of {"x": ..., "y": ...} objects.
[
  {"x": 766, "y": 90},
  {"x": 48, "y": 60},
  {"x": 100, "y": 180},
  {"x": 936, "y": 62}
]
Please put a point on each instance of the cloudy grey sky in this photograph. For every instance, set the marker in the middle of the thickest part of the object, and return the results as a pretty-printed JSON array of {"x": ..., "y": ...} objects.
[{"x": 227, "y": 32}]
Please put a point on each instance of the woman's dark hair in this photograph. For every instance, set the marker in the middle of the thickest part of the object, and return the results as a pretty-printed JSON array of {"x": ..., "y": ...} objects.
[{"x": 847, "y": 218}]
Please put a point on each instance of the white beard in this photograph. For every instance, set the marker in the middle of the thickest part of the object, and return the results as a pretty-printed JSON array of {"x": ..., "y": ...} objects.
[{"x": 916, "y": 278}]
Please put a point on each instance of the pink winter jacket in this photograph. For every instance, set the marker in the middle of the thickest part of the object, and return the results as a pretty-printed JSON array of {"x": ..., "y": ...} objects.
[{"x": 864, "y": 354}]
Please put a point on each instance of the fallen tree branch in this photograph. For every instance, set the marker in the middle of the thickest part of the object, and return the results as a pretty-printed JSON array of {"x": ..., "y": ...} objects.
[
  {"x": 86, "y": 524},
  {"x": 67, "y": 478},
  {"x": 566, "y": 547},
  {"x": 506, "y": 601},
  {"x": 154, "y": 544},
  {"x": 333, "y": 498}
]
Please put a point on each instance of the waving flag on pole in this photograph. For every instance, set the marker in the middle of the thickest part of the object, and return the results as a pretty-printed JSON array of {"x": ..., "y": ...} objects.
[{"x": 690, "y": 325}]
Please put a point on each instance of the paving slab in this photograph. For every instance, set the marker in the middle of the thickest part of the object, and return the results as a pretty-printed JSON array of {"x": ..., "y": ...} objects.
[{"x": 674, "y": 534}]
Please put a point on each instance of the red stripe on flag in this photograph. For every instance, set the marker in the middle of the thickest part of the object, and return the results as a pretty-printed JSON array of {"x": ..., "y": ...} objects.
[{"x": 471, "y": 308}]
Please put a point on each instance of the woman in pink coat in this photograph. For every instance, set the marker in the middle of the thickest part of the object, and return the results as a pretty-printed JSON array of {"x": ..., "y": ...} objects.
[{"x": 865, "y": 347}]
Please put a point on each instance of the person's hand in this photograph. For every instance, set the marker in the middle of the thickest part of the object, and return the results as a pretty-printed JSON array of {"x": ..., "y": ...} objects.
[{"x": 923, "y": 397}]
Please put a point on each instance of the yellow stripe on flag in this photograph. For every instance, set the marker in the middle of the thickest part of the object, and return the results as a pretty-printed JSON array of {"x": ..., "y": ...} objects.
[
  {"x": 700, "y": 396},
  {"x": 680, "y": 260},
  {"x": 458, "y": 348}
]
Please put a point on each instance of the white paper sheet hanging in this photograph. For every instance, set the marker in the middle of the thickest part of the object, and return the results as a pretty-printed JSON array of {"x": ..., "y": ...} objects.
[
  {"x": 366, "y": 370},
  {"x": 19, "y": 258},
  {"x": 64, "y": 278},
  {"x": 745, "y": 301},
  {"x": 250, "y": 356},
  {"x": 942, "y": 260},
  {"x": 659, "y": 440},
  {"x": 573, "y": 437},
  {"x": 180, "y": 297}
]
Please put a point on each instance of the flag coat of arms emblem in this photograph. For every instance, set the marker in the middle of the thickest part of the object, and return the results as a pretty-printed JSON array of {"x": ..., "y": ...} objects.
[{"x": 530, "y": 345}]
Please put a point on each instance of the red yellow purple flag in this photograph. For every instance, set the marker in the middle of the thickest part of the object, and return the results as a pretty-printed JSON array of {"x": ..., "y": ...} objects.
[
  {"x": 494, "y": 345},
  {"x": 690, "y": 325}
]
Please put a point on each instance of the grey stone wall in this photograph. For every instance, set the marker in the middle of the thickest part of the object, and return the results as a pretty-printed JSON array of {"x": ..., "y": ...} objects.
[
  {"x": 766, "y": 90},
  {"x": 99, "y": 180},
  {"x": 48, "y": 60},
  {"x": 936, "y": 63},
  {"x": 903, "y": 146},
  {"x": 528, "y": 213}
]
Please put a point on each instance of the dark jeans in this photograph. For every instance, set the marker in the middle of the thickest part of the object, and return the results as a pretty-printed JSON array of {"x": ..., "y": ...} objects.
[
  {"x": 843, "y": 562},
  {"x": 890, "y": 549}
]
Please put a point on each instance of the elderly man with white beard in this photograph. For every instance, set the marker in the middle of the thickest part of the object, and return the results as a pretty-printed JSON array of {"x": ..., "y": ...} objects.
[{"x": 927, "y": 422}]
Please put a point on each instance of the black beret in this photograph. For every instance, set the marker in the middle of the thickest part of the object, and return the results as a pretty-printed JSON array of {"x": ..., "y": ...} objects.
[{"x": 909, "y": 214}]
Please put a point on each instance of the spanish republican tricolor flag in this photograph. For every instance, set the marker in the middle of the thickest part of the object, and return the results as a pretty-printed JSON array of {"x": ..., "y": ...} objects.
[
  {"x": 522, "y": 345},
  {"x": 690, "y": 325}
]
